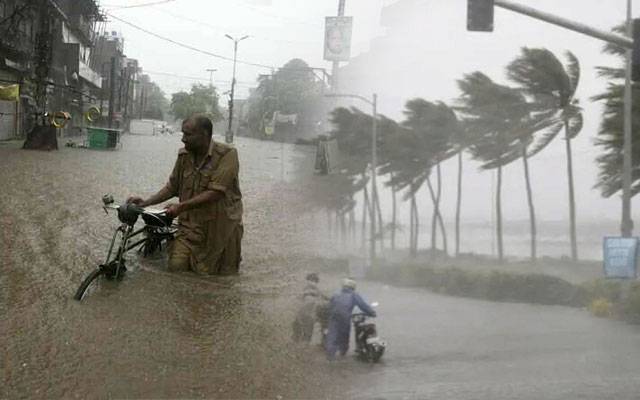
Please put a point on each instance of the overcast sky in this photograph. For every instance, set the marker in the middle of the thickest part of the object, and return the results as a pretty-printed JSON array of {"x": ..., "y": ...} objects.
[{"x": 283, "y": 29}]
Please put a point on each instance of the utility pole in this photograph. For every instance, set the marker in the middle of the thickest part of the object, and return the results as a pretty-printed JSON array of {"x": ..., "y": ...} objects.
[
  {"x": 112, "y": 78},
  {"x": 374, "y": 166},
  {"x": 229, "y": 135},
  {"x": 627, "y": 223}
]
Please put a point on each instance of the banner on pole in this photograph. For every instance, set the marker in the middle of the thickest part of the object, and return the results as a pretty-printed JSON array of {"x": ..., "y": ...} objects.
[
  {"x": 337, "y": 38},
  {"x": 10, "y": 93}
]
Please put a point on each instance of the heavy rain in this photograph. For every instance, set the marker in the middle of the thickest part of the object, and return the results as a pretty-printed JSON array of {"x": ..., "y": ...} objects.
[{"x": 331, "y": 199}]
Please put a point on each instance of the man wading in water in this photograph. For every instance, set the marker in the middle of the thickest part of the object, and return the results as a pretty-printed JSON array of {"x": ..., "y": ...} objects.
[{"x": 205, "y": 180}]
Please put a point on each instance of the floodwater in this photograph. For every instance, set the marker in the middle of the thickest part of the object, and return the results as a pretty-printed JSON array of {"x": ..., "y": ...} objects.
[
  {"x": 155, "y": 334},
  {"x": 165, "y": 335}
]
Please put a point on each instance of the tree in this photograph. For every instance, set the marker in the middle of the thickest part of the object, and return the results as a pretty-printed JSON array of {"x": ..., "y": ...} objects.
[
  {"x": 292, "y": 89},
  {"x": 403, "y": 157},
  {"x": 611, "y": 132},
  {"x": 552, "y": 88},
  {"x": 436, "y": 124},
  {"x": 498, "y": 120},
  {"x": 201, "y": 99},
  {"x": 155, "y": 103}
]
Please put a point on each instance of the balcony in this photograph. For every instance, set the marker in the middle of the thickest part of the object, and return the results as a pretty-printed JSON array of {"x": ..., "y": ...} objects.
[{"x": 17, "y": 46}]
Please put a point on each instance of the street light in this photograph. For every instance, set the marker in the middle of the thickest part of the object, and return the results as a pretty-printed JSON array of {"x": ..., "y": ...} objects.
[
  {"x": 229, "y": 135},
  {"x": 374, "y": 162}
]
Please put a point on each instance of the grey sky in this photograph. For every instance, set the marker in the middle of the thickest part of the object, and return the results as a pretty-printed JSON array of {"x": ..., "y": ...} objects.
[{"x": 436, "y": 40}]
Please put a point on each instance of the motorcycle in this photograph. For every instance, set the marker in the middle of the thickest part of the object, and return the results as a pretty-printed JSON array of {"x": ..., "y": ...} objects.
[{"x": 369, "y": 346}]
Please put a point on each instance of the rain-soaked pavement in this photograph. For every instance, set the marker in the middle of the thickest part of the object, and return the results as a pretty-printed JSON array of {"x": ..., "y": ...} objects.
[{"x": 162, "y": 335}]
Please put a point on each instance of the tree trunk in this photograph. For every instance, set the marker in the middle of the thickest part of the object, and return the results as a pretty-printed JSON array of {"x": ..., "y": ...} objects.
[
  {"x": 458, "y": 203},
  {"x": 439, "y": 214},
  {"x": 393, "y": 218},
  {"x": 380, "y": 227},
  {"x": 343, "y": 229},
  {"x": 532, "y": 211},
  {"x": 572, "y": 199},
  {"x": 365, "y": 213},
  {"x": 413, "y": 246},
  {"x": 434, "y": 217},
  {"x": 411, "y": 230},
  {"x": 499, "y": 215}
]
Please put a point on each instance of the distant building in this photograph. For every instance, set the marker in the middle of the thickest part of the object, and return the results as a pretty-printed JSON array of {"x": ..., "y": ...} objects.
[{"x": 49, "y": 41}]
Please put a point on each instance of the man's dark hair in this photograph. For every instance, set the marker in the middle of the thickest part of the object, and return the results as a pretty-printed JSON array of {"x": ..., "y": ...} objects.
[{"x": 201, "y": 122}]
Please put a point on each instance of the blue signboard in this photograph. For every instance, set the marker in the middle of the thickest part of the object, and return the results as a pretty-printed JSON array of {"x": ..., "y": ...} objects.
[{"x": 620, "y": 255}]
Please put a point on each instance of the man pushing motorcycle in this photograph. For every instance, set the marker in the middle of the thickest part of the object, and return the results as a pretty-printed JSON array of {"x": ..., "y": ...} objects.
[{"x": 340, "y": 308}]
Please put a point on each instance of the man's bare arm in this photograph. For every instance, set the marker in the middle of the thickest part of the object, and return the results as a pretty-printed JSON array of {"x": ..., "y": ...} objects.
[
  {"x": 163, "y": 195},
  {"x": 206, "y": 197}
]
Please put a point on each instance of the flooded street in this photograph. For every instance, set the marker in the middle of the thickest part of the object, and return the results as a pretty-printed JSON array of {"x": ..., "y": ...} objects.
[
  {"x": 171, "y": 335},
  {"x": 154, "y": 334}
]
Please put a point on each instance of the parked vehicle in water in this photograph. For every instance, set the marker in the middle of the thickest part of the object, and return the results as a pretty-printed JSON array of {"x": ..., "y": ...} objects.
[{"x": 149, "y": 127}]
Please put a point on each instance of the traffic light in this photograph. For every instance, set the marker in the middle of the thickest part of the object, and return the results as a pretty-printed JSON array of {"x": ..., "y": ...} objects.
[
  {"x": 480, "y": 15},
  {"x": 635, "y": 53}
]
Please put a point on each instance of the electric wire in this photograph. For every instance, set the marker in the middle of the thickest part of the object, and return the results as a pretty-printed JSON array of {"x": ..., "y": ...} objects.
[
  {"x": 189, "y": 47},
  {"x": 139, "y": 5}
]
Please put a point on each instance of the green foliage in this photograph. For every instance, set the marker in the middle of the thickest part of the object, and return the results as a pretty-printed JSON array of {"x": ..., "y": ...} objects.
[
  {"x": 611, "y": 133},
  {"x": 293, "y": 89},
  {"x": 200, "y": 99},
  {"x": 156, "y": 103},
  {"x": 497, "y": 120},
  {"x": 495, "y": 285},
  {"x": 550, "y": 87}
]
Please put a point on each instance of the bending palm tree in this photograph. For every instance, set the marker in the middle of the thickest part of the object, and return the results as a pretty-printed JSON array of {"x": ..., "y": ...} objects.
[
  {"x": 498, "y": 119},
  {"x": 552, "y": 88}
]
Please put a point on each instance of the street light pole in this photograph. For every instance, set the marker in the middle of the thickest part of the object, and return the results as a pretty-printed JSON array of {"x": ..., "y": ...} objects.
[
  {"x": 627, "y": 222},
  {"x": 229, "y": 135},
  {"x": 374, "y": 165}
]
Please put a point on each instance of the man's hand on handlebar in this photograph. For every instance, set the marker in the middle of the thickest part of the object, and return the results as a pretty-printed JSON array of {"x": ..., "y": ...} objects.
[
  {"x": 139, "y": 201},
  {"x": 173, "y": 210}
]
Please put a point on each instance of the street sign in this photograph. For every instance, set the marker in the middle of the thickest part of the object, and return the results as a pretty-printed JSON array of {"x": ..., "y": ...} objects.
[
  {"x": 337, "y": 38},
  {"x": 620, "y": 257}
]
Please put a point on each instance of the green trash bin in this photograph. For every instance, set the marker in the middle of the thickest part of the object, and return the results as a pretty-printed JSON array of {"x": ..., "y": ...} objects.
[{"x": 103, "y": 138}]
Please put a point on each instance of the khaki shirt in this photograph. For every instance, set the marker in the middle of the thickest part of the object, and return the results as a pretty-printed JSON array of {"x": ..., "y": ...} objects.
[{"x": 207, "y": 229}]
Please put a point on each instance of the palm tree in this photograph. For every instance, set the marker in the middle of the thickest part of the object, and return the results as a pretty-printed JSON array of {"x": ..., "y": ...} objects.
[
  {"x": 435, "y": 124},
  {"x": 552, "y": 89},
  {"x": 402, "y": 158},
  {"x": 611, "y": 132},
  {"x": 498, "y": 119}
]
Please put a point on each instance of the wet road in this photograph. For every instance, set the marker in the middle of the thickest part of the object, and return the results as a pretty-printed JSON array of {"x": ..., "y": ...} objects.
[
  {"x": 162, "y": 335},
  {"x": 451, "y": 348}
]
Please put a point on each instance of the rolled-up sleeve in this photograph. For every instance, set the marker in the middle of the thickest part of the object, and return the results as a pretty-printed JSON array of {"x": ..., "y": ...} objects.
[
  {"x": 226, "y": 172},
  {"x": 174, "y": 179}
]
